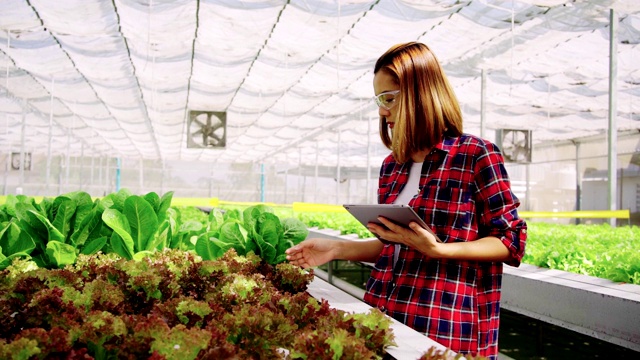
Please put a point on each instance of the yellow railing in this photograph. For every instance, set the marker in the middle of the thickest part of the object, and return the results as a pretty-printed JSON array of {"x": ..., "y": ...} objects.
[
  {"x": 311, "y": 207},
  {"x": 590, "y": 214},
  {"x": 196, "y": 202},
  {"x": 207, "y": 202},
  {"x": 250, "y": 203},
  {"x": 315, "y": 207},
  {"x": 3, "y": 199},
  {"x": 583, "y": 214}
]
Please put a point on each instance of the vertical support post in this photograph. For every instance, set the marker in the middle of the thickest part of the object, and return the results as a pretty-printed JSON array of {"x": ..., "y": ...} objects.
[
  {"x": 8, "y": 163},
  {"x": 527, "y": 189},
  {"x": 369, "y": 160},
  {"x": 299, "y": 184},
  {"x": 338, "y": 169},
  {"x": 483, "y": 95},
  {"x": 578, "y": 181},
  {"x": 107, "y": 177},
  {"x": 81, "y": 171},
  {"x": 91, "y": 172},
  {"x": 6, "y": 173},
  {"x": 262, "y": 189},
  {"x": 6, "y": 83},
  {"x": 60, "y": 175},
  {"x": 141, "y": 176},
  {"x": 48, "y": 174},
  {"x": 118, "y": 165},
  {"x": 162, "y": 178},
  {"x": 22, "y": 140},
  {"x": 60, "y": 167},
  {"x": 68, "y": 162},
  {"x": 100, "y": 173},
  {"x": 613, "y": 129},
  {"x": 286, "y": 177},
  {"x": 315, "y": 178},
  {"x": 211, "y": 184},
  {"x": 304, "y": 186}
]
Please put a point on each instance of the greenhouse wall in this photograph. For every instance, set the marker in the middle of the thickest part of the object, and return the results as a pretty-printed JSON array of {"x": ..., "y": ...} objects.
[{"x": 553, "y": 181}]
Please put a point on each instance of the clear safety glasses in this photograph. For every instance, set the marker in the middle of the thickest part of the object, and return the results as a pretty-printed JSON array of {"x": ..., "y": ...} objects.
[{"x": 387, "y": 99}]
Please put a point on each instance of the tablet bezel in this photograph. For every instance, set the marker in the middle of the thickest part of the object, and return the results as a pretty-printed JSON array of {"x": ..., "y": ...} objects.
[{"x": 398, "y": 213}]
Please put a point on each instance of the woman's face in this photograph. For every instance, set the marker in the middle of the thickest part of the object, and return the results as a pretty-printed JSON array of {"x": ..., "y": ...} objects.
[{"x": 387, "y": 93}]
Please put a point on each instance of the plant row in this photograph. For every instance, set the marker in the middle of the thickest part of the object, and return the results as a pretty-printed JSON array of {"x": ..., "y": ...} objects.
[
  {"x": 54, "y": 232},
  {"x": 172, "y": 304},
  {"x": 595, "y": 250}
]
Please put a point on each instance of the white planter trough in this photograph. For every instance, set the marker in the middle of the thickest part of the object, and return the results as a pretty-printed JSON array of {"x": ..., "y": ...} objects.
[
  {"x": 596, "y": 307},
  {"x": 410, "y": 343}
]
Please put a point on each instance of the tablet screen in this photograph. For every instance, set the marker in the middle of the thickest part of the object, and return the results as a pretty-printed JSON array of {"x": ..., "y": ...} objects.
[{"x": 398, "y": 213}]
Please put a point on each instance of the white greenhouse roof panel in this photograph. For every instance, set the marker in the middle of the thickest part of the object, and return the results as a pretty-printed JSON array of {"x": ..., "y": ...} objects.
[{"x": 295, "y": 77}]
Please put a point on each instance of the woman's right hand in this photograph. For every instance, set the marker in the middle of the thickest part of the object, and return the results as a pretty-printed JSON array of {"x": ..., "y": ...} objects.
[{"x": 312, "y": 252}]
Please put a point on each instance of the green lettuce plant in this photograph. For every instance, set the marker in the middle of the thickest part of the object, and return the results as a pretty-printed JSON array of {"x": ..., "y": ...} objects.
[
  {"x": 55, "y": 231},
  {"x": 255, "y": 230}
]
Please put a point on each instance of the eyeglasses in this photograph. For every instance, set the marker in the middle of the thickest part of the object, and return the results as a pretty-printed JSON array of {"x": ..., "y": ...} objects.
[{"x": 387, "y": 99}]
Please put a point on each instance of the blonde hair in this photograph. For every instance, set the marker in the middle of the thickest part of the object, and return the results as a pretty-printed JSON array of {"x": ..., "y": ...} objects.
[{"x": 427, "y": 108}]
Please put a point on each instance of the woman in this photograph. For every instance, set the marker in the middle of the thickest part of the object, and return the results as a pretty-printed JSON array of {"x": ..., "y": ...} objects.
[{"x": 458, "y": 184}]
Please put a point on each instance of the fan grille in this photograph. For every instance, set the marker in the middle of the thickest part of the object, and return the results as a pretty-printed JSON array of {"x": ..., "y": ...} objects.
[
  {"x": 207, "y": 129},
  {"x": 515, "y": 145}
]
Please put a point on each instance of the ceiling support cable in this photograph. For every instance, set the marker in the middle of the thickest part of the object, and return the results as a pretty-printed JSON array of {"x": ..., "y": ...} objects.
[
  {"x": 315, "y": 132},
  {"x": 306, "y": 72},
  {"x": 42, "y": 115},
  {"x": 143, "y": 103},
  {"x": 88, "y": 83},
  {"x": 183, "y": 141},
  {"x": 78, "y": 71},
  {"x": 32, "y": 109},
  {"x": 443, "y": 20},
  {"x": 253, "y": 62},
  {"x": 308, "y": 136}
]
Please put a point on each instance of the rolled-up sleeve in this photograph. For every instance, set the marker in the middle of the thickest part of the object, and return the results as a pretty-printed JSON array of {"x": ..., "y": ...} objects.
[{"x": 497, "y": 205}]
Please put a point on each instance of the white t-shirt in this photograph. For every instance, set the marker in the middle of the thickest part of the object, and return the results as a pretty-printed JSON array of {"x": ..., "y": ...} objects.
[{"x": 411, "y": 189}]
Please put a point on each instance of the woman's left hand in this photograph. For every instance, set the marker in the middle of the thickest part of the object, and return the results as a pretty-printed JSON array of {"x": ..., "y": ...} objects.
[{"x": 413, "y": 236}]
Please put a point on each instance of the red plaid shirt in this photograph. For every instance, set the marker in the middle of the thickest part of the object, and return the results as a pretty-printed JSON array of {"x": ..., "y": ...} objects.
[{"x": 464, "y": 195}]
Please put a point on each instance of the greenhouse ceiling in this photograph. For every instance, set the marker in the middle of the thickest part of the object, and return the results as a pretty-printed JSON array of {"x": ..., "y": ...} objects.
[{"x": 293, "y": 79}]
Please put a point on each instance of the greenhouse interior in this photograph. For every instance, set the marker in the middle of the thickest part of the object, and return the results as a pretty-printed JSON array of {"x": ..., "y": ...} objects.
[{"x": 230, "y": 104}]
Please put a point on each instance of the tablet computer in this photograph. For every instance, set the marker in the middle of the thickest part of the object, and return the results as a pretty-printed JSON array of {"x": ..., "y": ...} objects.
[{"x": 398, "y": 213}]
